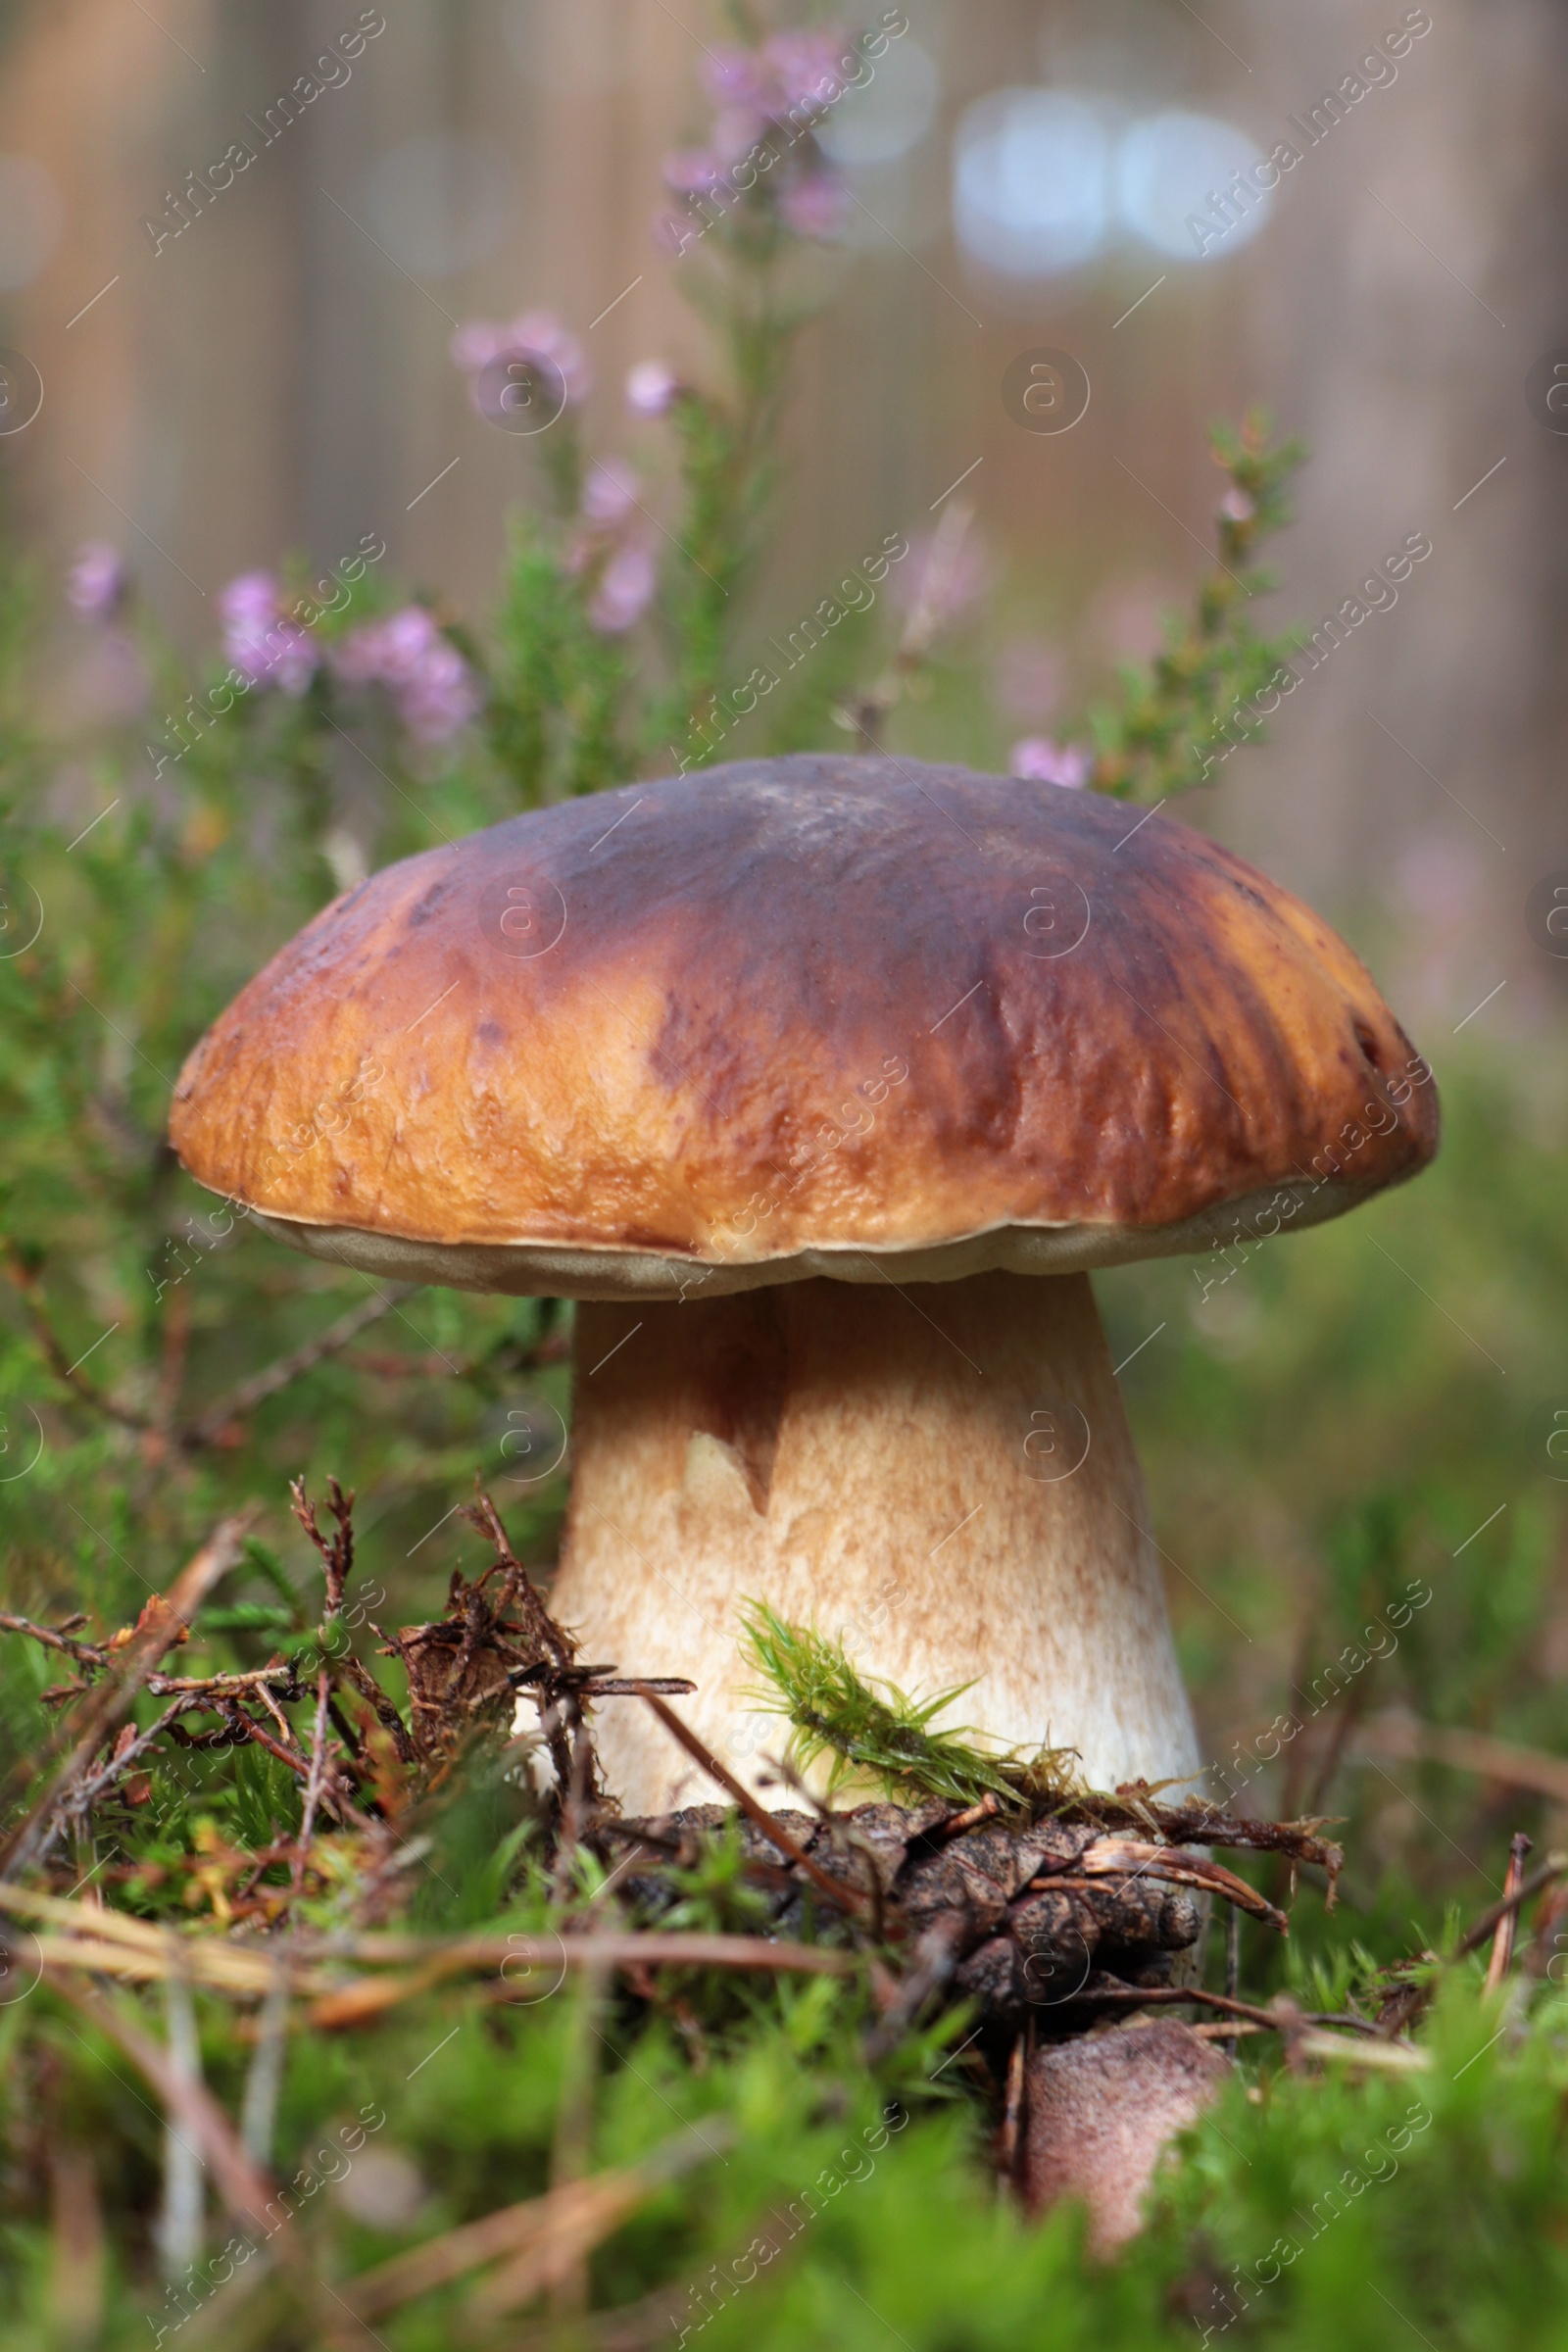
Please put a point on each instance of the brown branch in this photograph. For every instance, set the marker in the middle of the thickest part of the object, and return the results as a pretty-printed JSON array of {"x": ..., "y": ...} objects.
[
  {"x": 1553, "y": 1867},
  {"x": 1173, "y": 1995},
  {"x": 291, "y": 1367},
  {"x": 386, "y": 1714},
  {"x": 565, "y": 2224},
  {"x": 1109, "y": 1855},
  {"x": 235, "y": 1715},
  {"x": 539, "y": 1630},
  {"x": 1198, "y": 1823},
  {"x": 1503, "y": 1935},
  {"x": 226, "y": 1686},
  {"x": 83, "y": 1653},
  {"x": 337, "y": 1554},
  {"x": 88, "y": 1794}
]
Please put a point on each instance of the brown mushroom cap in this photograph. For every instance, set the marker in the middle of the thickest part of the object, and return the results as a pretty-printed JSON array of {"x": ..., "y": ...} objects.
[{"x": 808, "y": 1016}]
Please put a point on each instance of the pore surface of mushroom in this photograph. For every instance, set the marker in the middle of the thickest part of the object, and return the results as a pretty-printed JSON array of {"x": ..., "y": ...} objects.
[{"x": 801, "y": 1074}]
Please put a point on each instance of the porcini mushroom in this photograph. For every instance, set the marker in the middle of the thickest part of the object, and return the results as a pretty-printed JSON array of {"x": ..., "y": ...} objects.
[{"x": 824, "y": 1084}]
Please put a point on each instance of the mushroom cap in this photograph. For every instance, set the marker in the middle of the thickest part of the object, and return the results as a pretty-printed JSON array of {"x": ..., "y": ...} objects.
[{"x": 811, "y": 1015}]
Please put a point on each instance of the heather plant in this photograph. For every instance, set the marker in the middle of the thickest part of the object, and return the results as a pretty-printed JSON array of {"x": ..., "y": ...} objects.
[{"x": 198, "y": 2145}]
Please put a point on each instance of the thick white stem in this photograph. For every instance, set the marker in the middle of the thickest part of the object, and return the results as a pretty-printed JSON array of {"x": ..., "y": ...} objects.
[{"x": 939, "y": 1474}]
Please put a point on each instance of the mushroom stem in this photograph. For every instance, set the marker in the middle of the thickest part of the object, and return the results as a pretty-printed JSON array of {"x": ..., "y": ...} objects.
[{"x": 939, "y": 1474}]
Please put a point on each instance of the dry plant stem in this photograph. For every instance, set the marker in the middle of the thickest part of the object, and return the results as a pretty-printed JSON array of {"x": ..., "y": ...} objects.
[
  {"x": 842, "y": 1897},
  {"x": 1011, "y": 2139},
  {"x": 1501, "y": 1959},
  {"x": 1555, "y": 1867},
  {"x": 601, "y": 2201},
  {"x": 1284, "y": 2019},
  {"x": 84, "y": 1653},
  {"x": 942, "y": 1472},
  {"x": 314, "y": 1783}
]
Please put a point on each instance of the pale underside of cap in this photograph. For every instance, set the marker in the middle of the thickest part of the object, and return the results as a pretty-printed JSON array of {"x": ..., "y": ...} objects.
[{"x": 526, "y": 1269}]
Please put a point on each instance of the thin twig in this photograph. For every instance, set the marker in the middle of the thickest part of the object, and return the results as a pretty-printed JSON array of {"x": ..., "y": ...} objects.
[
  {"x": 314, "y": 1778},
  {"x": 1502, "y": 1937},
  {"x": 84, "y": 1653},
  {"x": 1011, "y": 2142},
  {"x": 1553, "y": 1867},
  {"x": 846, "y": 1896},
  {"x": 1174, "y": 1995}
]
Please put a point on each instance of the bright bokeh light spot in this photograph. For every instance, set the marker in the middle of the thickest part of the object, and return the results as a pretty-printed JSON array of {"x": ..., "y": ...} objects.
[
  {"x": 31, "y": 219},
  {"x": 1168, "y": 168},
  {"x": 889, "y": 116},
  {"x": 1032, "y": 181}
]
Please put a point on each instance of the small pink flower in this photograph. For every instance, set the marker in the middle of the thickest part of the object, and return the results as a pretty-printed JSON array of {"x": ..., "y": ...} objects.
[
  {"x": 475, "y": 346},
  {"x": 813, "y": 207},
  {"x": 806, "y": 68},
  {"x": 1039, "y": 760},
  {"x": 692, "y": 171},
  {"x": 433, "y": 691},
  {"x": 536, "y": 339},
  {"x": 97, "y": 580},
  {"x": 609, "y": 493},
  {"x": 651, "y": 388},
  {"x": 441, "y": 698},
  {"x": 265, "y": 645},
  {"x": 739, "y": 78},
  {"x": 1236, "y": 507},
  {"x": 624, "y": 591}
]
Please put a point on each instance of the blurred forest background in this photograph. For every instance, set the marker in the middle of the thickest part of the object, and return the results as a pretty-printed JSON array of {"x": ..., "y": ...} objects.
[{"x": 1379, "y": 1401}]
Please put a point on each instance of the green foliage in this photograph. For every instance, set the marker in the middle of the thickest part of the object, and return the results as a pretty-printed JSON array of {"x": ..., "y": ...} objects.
[
  {"x": 553, "y": 716},
  {"x": 1162, "y": 733}
]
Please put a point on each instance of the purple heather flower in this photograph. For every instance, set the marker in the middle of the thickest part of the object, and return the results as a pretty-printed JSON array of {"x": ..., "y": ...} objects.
[
  {"x": 1038, "y": 760},
  {"x": 433, "y": 690},
  {"x": 96, "y": 581},
  {"x": 692, "y": 171},
  {"x": 609, "y": 493},
  {"x": 624, "y": 591},
  {"x": 265, "y": 645},
  {"x": 1236, "y": 507},
  {"x": 813, "y": 207},
  {"x": 805, "y": 67},
  {"x": 473, "y": 347},
  {"x": 651, "y": 388},
  {"x": 739, "y": 78},
  {"x": 537, "y": 338}
]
